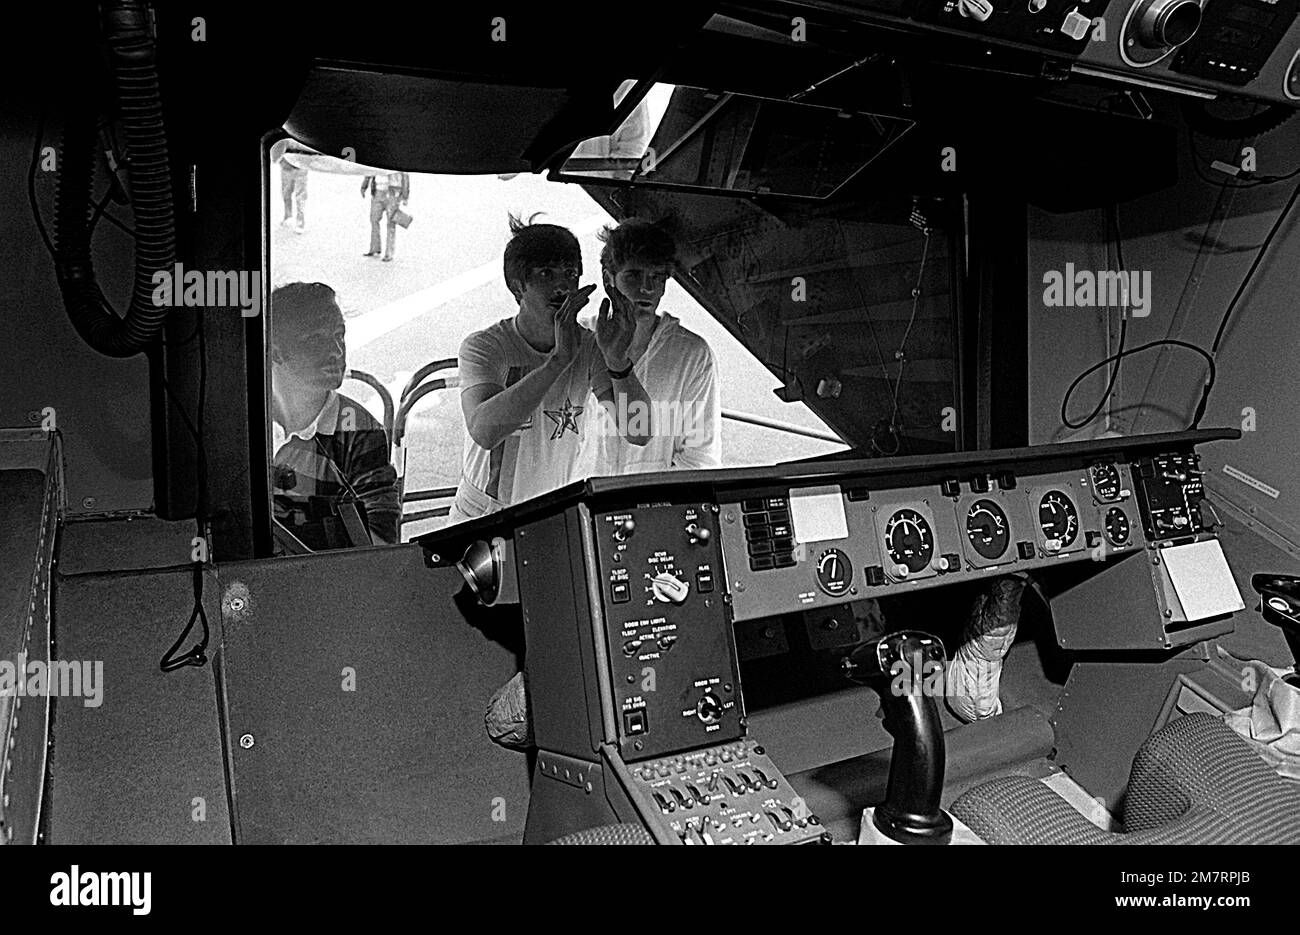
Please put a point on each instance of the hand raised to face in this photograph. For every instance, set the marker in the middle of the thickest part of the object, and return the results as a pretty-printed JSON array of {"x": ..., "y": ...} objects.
[
  {"x": 615, "y": 328},
  {"x": 568, "y": 334}
]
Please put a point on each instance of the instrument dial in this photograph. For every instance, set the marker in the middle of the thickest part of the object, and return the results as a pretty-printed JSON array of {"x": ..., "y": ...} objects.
[
  {"x": 987, "y": 529},
  {"x": 1106, "y": 482},
  {"x": 834, "y": 572},
  {"x": 909, "y": 540},
  {"x": 1058, "y": 519},
  {"x": 1117, "y": 528}
]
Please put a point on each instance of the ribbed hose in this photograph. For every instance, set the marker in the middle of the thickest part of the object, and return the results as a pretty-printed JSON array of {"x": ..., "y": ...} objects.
[{"x": 135, "y": 77}]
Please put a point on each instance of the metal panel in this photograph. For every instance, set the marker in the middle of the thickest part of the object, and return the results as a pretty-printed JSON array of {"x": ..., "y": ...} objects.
[
  {"x": 133, "y": 769},
  {"x": 29, "y": 507},
  {"x": 355, "y": 687},
  {"x": 557, "y": 619},
  {"x": 1107, "y": 711}
]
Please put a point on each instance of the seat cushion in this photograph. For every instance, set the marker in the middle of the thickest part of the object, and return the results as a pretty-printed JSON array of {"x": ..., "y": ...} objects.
[
  {"x": 608, "y": 834},
  {"x": 1193, "y": 782}
]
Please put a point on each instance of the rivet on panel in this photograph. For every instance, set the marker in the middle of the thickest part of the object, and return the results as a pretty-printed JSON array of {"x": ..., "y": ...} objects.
[{"x": 247, "y": 741}]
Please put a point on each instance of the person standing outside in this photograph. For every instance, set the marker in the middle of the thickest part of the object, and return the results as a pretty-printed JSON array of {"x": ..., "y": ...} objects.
[
  {"x": 293, "y": 188},
  {"x": 323, "y": 444},
  {"x": 675, "y": 365},
  {"x": 388, "y": 192},
  {"x": 529, "y": 382}
]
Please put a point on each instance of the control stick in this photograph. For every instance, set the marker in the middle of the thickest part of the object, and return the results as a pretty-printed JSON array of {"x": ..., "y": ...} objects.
[
  {"x": 1279, "y": 602},
  {"x": 910, "y": 813}
]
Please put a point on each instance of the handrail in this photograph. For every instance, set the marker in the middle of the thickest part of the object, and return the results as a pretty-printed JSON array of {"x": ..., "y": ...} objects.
[
  {"x": 433, "y": 493},
  {"x": 780, "y": 426},
  {"x": 387, "y": 397},
  {"x": 432, "y": 367},
  {"x": 408, "y": 403}
]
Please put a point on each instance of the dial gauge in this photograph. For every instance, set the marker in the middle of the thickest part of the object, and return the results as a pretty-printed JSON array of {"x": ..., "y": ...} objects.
[
  {"x": 987, "y": 528},
  {"x": 909, "y": 540},
  {"x": 1117, "y": 528},
  {"x": 834, "y": 572},
  {"x": 1058, "y": 519},
  {"x": 1105, "y": 482}
]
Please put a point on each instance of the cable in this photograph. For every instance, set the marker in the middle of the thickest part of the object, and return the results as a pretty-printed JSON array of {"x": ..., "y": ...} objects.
[
  {"x": 1241, "y": 288},
  {"x": 1137, "y": 350},
  {"x": 1113, "y": 217},
  {"x": 1259, "y": 256},
  {"x": 197, "y": 655},
  {"x": 1253, "y": 181},
  {"x": 31, "y": 185}
]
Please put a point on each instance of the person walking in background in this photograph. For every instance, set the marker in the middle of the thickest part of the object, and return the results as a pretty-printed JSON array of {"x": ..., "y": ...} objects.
[
  {"x": 388, "y": 192},
  {"x": 293, "y": 187}
]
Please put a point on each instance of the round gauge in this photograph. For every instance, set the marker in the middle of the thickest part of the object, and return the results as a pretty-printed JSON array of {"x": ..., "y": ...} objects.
[
  {"x": 987, "y": 529},
  {"x": 1116, "y": 526},
  {"x": 1105, "y": 482},
  {"x": 834, "y": 572},
  {"x": 909, "y": 539},
  {"x": 1058, "y": 518}
]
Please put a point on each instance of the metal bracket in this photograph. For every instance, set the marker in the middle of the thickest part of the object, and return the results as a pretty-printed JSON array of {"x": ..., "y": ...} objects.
[{"x": 580, "y": 774}]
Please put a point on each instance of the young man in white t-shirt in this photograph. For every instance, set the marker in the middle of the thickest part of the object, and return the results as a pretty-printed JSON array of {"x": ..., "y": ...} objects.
[
  {"x": 675, "y": 365},
  {"x": 531, "y": 385}
]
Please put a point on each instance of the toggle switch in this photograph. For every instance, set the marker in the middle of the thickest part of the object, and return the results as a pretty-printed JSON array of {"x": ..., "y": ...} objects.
[{"x": 699, "y": 534}]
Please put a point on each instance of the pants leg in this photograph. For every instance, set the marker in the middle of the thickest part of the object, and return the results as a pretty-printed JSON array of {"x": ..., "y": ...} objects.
[
  {"x": 390, "y": 207},
  {"x": 286, "y": 191},
  {"x": 376, "y": 212},
  {"x": 300, "y": 199}
]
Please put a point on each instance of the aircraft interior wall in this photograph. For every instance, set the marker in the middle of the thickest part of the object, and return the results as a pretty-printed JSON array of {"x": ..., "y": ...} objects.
[
  {"x": 101, "y": 405},
  {"x": 1197, "y": 242}
]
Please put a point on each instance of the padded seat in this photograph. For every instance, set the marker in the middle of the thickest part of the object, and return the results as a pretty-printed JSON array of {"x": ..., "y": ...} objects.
[
  {"x": 608, "y": 834},
  {"x": 1193, "y": 782}
]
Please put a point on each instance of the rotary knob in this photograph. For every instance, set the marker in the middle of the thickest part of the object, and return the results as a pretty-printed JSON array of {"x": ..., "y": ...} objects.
[{"x": 668, "y": 588}]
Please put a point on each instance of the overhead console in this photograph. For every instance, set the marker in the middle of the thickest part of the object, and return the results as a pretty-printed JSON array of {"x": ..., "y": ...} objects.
[
  {"x": 631, "y": 588},
  {"x": 1247, "y": 48}
]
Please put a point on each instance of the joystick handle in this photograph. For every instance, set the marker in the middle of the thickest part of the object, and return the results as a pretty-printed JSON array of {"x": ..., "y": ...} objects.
[{"x": 896, "y": 665}]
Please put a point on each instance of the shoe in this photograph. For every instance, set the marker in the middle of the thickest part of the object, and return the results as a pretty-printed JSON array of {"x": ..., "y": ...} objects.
[
  {"x": 300, "y": 229},
  {"x": 371, "y": 253},
  {"x": 388, "y": 259}
]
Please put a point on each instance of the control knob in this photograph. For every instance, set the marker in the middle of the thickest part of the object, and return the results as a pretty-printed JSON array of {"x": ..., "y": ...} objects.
[{"x": 668, "y": 588}]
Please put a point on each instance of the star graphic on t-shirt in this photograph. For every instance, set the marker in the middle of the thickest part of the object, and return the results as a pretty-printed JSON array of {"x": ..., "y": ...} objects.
[{"x": 566, "y": 418}]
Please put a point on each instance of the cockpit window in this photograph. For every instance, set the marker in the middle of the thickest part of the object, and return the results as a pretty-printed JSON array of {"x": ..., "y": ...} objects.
[{"x": 434, "y": 277}]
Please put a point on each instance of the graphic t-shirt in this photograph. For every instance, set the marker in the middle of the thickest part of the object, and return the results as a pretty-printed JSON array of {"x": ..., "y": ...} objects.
[
  {"x": 679, "y": 374},
  {"x": 543, "y": 453}
]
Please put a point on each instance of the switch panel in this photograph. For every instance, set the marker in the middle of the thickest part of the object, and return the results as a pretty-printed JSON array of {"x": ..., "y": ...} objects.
[
  {"x": 725, "y": 794},
  {"x": 672, "y": 656}
]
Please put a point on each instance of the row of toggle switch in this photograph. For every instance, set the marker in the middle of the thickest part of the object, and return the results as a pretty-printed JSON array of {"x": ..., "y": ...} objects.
[
  {"x": 706, "y": 793},
  {"x": 697, "y": 534},
  {"x": 781, "y": 819}
]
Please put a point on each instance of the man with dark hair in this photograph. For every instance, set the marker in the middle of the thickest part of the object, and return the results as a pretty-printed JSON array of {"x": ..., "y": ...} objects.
[
  {"x": 528, "y": 382},
  {"x": 328, "y": 451},
  {"x": 675, "y": 365}
]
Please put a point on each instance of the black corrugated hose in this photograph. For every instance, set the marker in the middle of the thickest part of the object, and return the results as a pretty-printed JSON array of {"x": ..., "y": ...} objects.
[{"x": 135, "y": 77}]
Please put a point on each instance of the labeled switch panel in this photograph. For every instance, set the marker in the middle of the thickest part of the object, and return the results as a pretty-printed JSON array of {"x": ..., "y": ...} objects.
[
  {"x": 730, "y": 793},
  {"x": 672, "y": 655}
]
